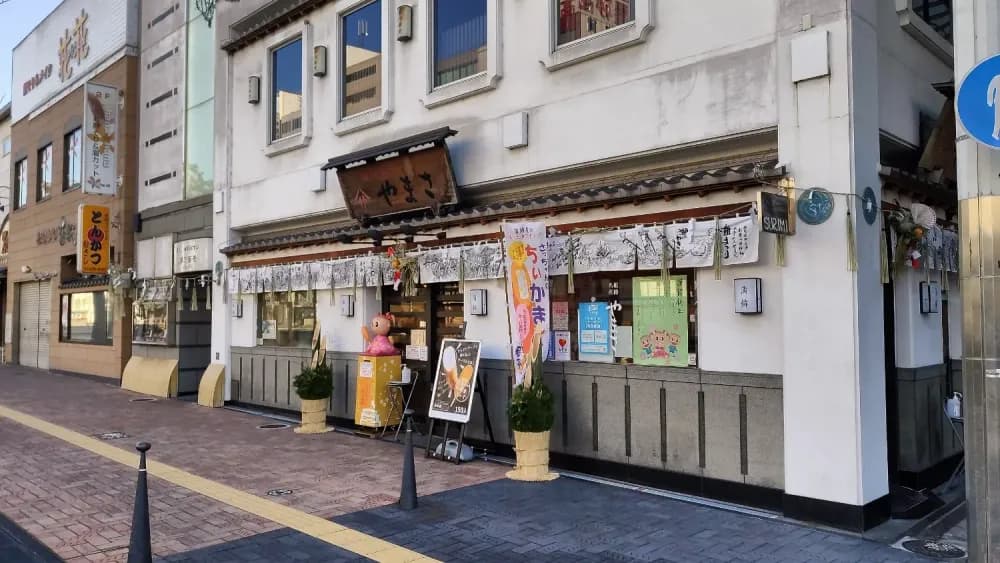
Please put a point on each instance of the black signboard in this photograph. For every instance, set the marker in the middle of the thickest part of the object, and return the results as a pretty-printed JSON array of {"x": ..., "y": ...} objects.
[{"x": 776, "y": 214}]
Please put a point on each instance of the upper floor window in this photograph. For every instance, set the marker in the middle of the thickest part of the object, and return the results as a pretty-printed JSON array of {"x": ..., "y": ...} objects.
[
  {"x": 459, "y": 39},
  {"x": 45, "y": 172},
  {"x": 582, "y": 18},
  {"x": 6, "y": 146},
  {"x": 21, "y": 183},
  {"x": 73, "y": 160},
  {"x": 937, "y": 14},
  {"x": 361, "y": 59},
  {"x": 286, "y": 90}
]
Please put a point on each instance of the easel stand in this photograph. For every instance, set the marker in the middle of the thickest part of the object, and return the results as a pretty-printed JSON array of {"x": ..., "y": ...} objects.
[{"x": 433, "y": 441}]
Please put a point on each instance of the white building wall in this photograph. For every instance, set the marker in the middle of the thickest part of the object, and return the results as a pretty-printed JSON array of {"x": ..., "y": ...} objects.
[{"x": 682, "y": 85}]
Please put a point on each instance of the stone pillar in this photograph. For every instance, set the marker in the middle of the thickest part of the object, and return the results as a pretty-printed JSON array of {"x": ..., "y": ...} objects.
[
  {"x": 834, "y": 372},
  {"x": 977, "y": 36}
]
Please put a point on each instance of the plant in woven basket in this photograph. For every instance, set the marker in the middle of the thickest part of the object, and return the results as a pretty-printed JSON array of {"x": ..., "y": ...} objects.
[{"x": 314, "y": 383}]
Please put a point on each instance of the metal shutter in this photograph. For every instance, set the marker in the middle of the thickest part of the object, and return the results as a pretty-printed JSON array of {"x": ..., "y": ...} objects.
[{"x": 28, "y": 324}]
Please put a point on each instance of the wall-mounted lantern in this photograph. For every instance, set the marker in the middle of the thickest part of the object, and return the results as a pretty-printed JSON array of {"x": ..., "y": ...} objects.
[
  {"x": 253, "y": 92},
  {"x": 748, "y": 296}
]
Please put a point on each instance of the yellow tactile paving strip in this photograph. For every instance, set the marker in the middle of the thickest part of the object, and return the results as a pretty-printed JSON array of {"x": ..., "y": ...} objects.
[{"x": 325, "y": 530}]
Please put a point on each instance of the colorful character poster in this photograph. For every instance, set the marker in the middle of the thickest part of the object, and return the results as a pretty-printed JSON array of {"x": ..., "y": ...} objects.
[
  {"x": 594, "y": 330},
  {"x": 527, "y": 293},
  {"x": 455, "y": 380},
  {"x": 660, "y": 333}
]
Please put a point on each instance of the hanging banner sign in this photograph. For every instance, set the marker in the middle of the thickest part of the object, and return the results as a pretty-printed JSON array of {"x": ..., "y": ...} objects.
[
  {"x": 527, "y": 292},
  {"x": 93, "y": 245},
  {"x": 694, "y": 242},
  {"x": 777, "y": 215},
  {"x": 594, "y": 330},
  {"x": 660, "y": 334},
  {"x": 100, "y": 139}
]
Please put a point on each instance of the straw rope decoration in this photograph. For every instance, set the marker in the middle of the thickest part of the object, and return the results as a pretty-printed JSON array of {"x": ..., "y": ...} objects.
[
  {"x": 717, "y": 251},
  {"x": 779, "y": 242},
  {"x": 666, "y": 257},
  {"x": 884, "y": 270},
  {"x": 852, "y": 251},
  {"x": 461, "y": 270},
  {"x": 208, "y": 296},
  {"x": 571, "y": 266}
]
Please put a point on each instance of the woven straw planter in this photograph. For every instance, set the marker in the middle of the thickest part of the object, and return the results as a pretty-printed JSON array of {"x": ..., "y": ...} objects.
[
  {"x": 532, "y": 449},
  {"x": 313, "y": 416}
]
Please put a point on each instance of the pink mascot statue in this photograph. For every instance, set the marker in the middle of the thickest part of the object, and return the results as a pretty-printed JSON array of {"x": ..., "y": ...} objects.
[{"x": 379, "y": 344}]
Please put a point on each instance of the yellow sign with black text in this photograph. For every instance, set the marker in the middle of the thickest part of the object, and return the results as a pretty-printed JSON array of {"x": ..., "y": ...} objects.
[{"x": 93, "y": 239}]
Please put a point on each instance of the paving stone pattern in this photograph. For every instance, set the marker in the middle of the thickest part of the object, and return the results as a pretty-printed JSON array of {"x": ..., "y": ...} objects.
[
  {"x": 80, "y": 504},
  {"x": 571, "y": 520}
]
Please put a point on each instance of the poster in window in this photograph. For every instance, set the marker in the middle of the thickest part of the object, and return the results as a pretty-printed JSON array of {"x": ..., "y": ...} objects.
[
  {"x": 594, "y": 332},
  {"x": 563, "y": 345},
  {"x": 660, "y": 328},
  {"x": 527, "y": 293},
  {"x": 560, "y": 315},
  {"x": 455, "y": 380}
]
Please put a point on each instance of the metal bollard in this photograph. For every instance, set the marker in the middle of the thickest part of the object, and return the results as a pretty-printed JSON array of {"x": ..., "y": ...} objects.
[
  {"x": 408, "y": 490},
  {"x": 139, "y": 548}
]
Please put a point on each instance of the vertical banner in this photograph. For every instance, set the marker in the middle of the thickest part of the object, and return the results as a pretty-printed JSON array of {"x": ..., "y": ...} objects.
[
  {"x": 660, "y": 334},
  {"x": 100, "y": 139},
  {"x": 527, "y": 292},
  {"x": 93, "y": 239},
  {"x": 594, "y": 330}
]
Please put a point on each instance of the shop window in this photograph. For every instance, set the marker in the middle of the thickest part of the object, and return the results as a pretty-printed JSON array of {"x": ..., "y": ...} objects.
[
  {"x": 73, "y": 160},
  {"x": 459, "y": 39},
  {"x": 582, "y": 18},
  {"x": 44, "y": 172},
  {"x": 361, "y": 59},
  {"x": 21, "y": 183},
  {"x": 607, "y": 287},
  {"x": 286, "y": 319},
  {"x": 151, "y": 322},
  {"x": 86, "y": 318},
  {"x": 5, "y": 146},
  {"x": 286, "y": 90}
]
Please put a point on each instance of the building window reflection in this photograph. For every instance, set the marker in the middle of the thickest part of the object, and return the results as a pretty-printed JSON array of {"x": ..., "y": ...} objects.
[
  {"x": 578, "y": 19},
  {"x": 361, "y": 59},
  {"x": 459, "y": 39},
  {"x": 286, "y": 90}
]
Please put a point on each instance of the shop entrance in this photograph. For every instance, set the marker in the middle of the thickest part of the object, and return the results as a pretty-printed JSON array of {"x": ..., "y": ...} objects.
[{"x": 34, "y": 315}]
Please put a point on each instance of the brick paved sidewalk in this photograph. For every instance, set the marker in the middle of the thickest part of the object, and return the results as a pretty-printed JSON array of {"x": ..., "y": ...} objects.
[{"x": 79, "y": 503}]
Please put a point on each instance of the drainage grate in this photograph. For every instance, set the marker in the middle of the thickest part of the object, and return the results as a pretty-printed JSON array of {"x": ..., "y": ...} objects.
[
  {"x": 112, "y": 435},
  {"x": 271, "y": 426},
  {"x": 934, "y": 549},
  {"x": 279, "y": 492},
  {"x": 142, "y": 400}
]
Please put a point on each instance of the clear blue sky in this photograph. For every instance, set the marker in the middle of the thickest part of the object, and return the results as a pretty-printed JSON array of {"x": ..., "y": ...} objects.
[{"x": 17, "y": 19}]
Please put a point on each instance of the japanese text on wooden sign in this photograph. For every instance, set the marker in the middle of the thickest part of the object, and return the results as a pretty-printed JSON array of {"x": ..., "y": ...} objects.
[{"x": 93, "y": 247}]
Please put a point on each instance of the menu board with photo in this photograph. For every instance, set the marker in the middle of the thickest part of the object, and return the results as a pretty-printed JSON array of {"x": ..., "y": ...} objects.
[{"x": 455, "y": 380}]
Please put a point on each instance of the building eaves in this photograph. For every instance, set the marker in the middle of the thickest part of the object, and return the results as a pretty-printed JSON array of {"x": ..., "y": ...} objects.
[
  {"x": 929, "y": 186},
  {"x": 5, "y": 112},
  {"x": 698, "y": 182},
  {"x": 265, "y": 20}
]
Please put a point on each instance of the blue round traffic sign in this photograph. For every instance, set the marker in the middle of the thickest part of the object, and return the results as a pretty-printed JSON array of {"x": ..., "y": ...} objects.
[{"x": 978, "y": 102}]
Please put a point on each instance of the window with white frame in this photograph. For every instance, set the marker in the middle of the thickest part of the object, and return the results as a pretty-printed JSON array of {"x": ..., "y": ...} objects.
[
  {"x": 21, "y": 183},
  {"x": 286, "y": 90},
  {"x": 582, "y": 18},
  {"x": 361, "y": 59},
  {"x": 6, "y": 146},
  {"x": 459, "y": 40}
]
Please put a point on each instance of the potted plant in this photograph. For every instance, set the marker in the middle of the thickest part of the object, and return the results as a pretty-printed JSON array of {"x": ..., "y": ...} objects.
[
  {"x": 314, "y": 385},
  {"x": 531, "y": 416}
]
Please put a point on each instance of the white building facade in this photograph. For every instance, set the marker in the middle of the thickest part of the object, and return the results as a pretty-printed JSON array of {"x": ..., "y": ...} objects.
[{"x": 602, "y": 119}]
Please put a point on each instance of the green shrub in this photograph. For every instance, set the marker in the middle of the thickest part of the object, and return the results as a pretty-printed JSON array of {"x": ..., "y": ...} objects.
[
  {"x": 314, "y": 383},
  {"x": 530, "y": 408}
]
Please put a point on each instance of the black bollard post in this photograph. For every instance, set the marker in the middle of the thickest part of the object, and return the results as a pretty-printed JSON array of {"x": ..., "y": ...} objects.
[
  {"x": 139, "y": 548},
  {"x": 408, "y": 490}
]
